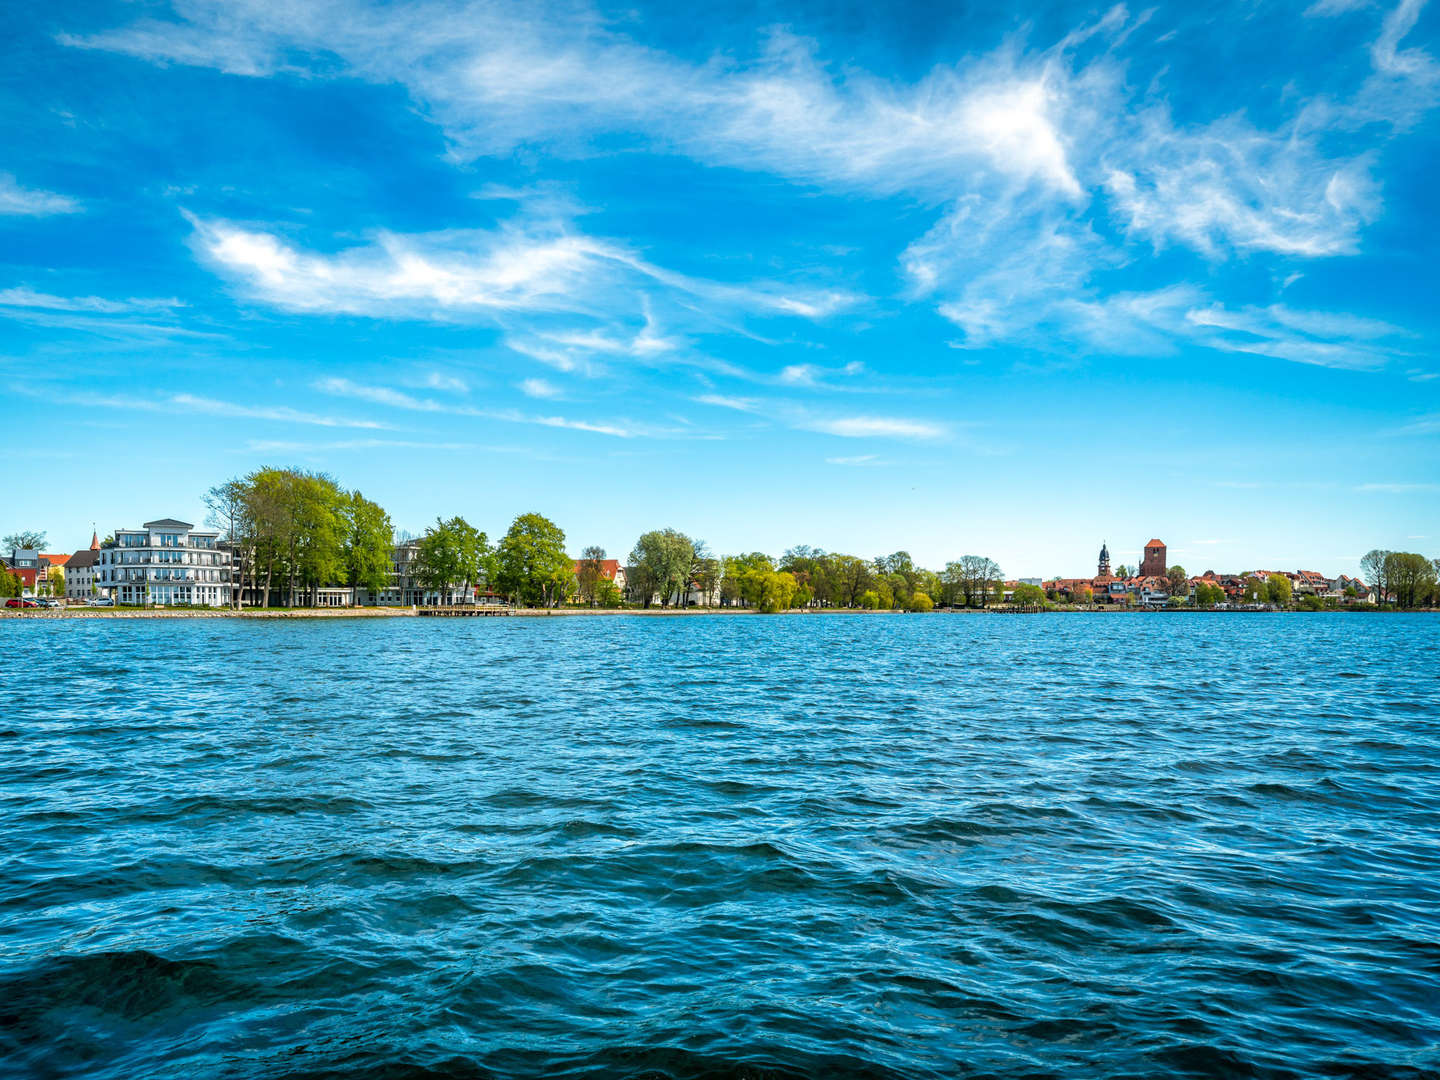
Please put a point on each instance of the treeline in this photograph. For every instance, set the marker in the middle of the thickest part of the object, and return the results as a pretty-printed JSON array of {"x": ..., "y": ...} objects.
[
  {"x": 1411, "y": 580},
  {"x": 293, "y": 532}
]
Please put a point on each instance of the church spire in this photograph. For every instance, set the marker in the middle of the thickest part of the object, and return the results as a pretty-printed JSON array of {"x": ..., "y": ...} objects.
[{"x": 1104, "y": 560}]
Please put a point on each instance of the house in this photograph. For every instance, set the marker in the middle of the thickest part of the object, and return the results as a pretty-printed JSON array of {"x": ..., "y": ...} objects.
[
  {"x": 165, "y": 561},
  {"x": 29, "y": 567},
  {"x": 80, "y": 573},
  {"x": 610, "y": 570}
]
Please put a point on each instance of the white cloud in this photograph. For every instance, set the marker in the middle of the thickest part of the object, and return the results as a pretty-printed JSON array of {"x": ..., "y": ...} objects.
[
  {"x": 192, "y": 404},
  {"x": 858, "y": 459},
  {"x": 867, "y": 427},
  {"x": 1398, "y": 489},
  {"x": 23, "y": 297},
  {"x": 29, "y": 202},
  {"x": 538, "y": 388}
]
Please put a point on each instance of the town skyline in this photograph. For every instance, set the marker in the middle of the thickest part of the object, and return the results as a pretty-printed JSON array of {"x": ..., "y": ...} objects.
[{"x": 991, "y": 279}]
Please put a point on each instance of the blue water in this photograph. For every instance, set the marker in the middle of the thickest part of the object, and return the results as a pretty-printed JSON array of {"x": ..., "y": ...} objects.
[{"x": 835, "y": 846}]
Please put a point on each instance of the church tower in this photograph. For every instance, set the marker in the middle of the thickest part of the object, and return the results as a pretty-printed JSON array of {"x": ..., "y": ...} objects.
[
  {"x": 1104, "y": 570},
  {"x": 1154, "y": 562}
]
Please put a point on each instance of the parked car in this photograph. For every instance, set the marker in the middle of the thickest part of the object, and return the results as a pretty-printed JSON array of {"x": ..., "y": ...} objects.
[
  {"x": 48, "y": 602},
  {"x": 20, "y": 601},
  {"x": 100, "y": 601}
]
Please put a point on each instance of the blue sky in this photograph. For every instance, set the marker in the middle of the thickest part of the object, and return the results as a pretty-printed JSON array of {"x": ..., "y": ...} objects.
[{"x": 1011, "y": 280}]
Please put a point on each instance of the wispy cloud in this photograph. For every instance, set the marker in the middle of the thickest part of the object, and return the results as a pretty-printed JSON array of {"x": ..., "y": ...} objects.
[
  {"x": 859, "y": 459},
  {"x": 869, "y": 427},
  {"x": 538, "y": 388},
  {"x": 22, "y": 297},
  {"x": 192, "y": 404},
  {"x": 388, "y": 396},
  {"x": 29, "y": 202},
  {"x": 1398, "y": 488}
]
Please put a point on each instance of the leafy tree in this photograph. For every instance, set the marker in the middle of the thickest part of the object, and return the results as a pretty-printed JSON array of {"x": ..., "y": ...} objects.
[
  {"x": 228, "y": 512},
  {"x": 1207, "y": 595},
  {"x": 531, "y": 561},
  {"x": 920, "y": 602},
  {"x": 590, "y": 573},
  {"x": 1410, "y": 577},
  {"x": 56, "y": 577},
  {"x": 367, "y": 549},
  {"x": 1373, "y": 565},
  {"x": 776, "y": 591},
  {"x": 1311, "y": 602},
  {"x": 450, "y": 554},
  {"x": 1028, "y": 595},
  {"x": 851, "y": 578},
  {"x": 10, "y": 584},
  {"x": 869, "y": 600},
  {"x": 607, "y": 594},
  {"x": 703, "y": 573},
  {"x": 1179, "y": 585},
  {"x": 26, "y": 538},
  {"x": 1122, "y": 571},
  {"x": 663, "y": 557},
  {"x": 1278, "y": 590}
]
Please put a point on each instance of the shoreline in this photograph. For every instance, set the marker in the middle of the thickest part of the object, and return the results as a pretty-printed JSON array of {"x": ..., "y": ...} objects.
[{"x": 545, "y": 613}]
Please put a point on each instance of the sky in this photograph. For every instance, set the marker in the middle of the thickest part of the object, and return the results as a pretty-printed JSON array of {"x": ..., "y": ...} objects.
[{"x": 1011, "y": 280}]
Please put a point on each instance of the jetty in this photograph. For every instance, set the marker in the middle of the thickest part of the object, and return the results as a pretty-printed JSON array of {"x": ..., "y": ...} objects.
[{"x": 466, "y": 610}]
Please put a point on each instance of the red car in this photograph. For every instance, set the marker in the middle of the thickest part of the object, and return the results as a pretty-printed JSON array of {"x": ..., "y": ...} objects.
[{"x": 20, "y": 601}]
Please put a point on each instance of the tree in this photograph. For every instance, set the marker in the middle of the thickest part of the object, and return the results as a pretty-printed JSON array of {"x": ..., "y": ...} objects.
[
  {"x": 1179, "y": 585},
  {"x": 869, "y": 600},
  {"x": 663, "y": 557},
  {"x": 531, "y": 562},
  {"x": 703, "y": 573},
  {"x": 590, "y": 573},
  {"x": 1028, "y": 595},
  {"x": 228, "y": 512},
  {"x": 607, "y": 594},
  {"x": 56, "y": 577},
  {"x": 1084, "y": 596},
  {"x": 920, "y": 602},
  {"x": 852, "y": 579},
  {"x": 450, "y": 553},
  {"x": 26, "y": 538},
  {"x": 1122, "y": 571},
  {"x": 1207, "y": 595},
  {"x": 366, "y": 544},
  {"x": 10, "y": 584},
  {"x": 776, "y": 591},
  {"x": 1410, "y": 577},
  {"x": 1372, "y": 565},
  {"x": 1278, "y": 590}
]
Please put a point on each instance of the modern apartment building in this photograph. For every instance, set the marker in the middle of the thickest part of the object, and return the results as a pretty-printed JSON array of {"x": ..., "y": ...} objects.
[{"x": 164, "y": 562}]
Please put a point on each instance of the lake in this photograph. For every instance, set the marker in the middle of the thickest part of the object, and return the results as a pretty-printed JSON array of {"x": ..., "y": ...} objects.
[{"x": 828, "y": 846}]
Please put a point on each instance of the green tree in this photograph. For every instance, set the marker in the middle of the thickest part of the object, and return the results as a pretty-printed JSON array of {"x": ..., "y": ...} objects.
[
  {"x": 56, "y": 579},
  {"x": 869, "y": 600},
  {"x": 1311, "y": 602},
  {"x": 1409, "y": 577},
  {"x": 451, "y": 554},
  {"x": 776, "y": 591},
  {"x": 607, "y": 594},
  {"x": 1028, "y": 595},
  {"x": 1278, "y": 590},
  {"x": 1178, "y": 579},
  {"x": 10, "y": 584},
  {"x": 920, "y": 602},
  {"x": 531, "y": 562},
  {"x": 367, "y": 544},
  {"x": 663, "y": 557},
  {"x": 1373, "y": 565}
]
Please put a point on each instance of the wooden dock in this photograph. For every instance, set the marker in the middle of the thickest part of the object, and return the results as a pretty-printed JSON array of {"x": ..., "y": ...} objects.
[{"x": 465, "y": 610}]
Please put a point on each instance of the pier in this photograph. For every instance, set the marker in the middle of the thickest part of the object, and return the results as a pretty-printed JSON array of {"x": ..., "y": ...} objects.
[{"x": 464, "y": 610}]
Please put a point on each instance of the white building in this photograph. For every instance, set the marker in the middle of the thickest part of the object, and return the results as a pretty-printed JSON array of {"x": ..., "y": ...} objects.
[
  {"x": 80, "y": 574},
  {"x": 164, "y": 562}
]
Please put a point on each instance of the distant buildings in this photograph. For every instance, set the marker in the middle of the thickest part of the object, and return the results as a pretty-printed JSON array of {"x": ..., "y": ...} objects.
[
  {"x": 164, "y": 562},
  {"x": 27, "y": 565},
  {"x": 1151, "y": 587}
]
